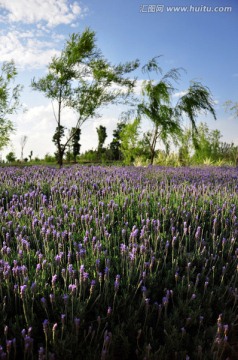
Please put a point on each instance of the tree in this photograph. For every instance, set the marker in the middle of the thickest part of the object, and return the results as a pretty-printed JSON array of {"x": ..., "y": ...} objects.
[
  {"x": 31, "y": 154},
  {"x": 102, "y": 135},
  {"x": 129, "y": 141},
  {"x": 209, "y": 143},
  {"x": 23, "y": 142},
  {"x": 166, "y": 118},
  {"x": 203, "y": 148},
  {"x": 57, "y": 139},
  {"x": 229, "y": 152},
  {"x": 11, "y": 157},
  {"x": 115, "y": 145},
  {"x": 73, "y": 145},
  {"x": 198, "y": 98},
  {"x": 75, "y": 142},
  {"x": 185, "y": 147},
  {"x": 9, "y": 101},
  {"x": 214, "y": 140},
  {"x": 81, "y": 79},
  {"x": 208, "y": 147}
]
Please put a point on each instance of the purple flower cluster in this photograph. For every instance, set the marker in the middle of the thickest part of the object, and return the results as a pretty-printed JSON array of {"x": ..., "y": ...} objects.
[{"x": 91, "y": 254}]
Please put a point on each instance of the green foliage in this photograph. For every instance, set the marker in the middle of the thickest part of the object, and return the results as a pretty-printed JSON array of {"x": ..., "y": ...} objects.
[
  {"x": 141, "y": 161},
  {"x": 9, "y": 101},
  {"x": 11, "y": 157},
  {"x": 197, "y": 98},
  {"x": 228, "y": 153},
  {"x": 164, "y": 159},
  {"x": 80, "y": 78},
  {"x": 73, "y": 145},
  {"x": 209, "y": 149},
  {"x": 57, "y": 140},
  {"x": 185, "y": 147},
  {"x": 207, "y": 144},
  {"x": 102, "y": 135},
  {"x": 6, "y": 128},
  {"x": 89, "y": 156},
  {"x": 49, "y": 158},
  {"x": 156, "y": 106},
  {"x": 115, "y": 145},
  {"x": 165, "y": 118},
  {"x": 129, "y": 141},
  {"x": 132, "y": 149},
  {"x": 144, "y": 146}
]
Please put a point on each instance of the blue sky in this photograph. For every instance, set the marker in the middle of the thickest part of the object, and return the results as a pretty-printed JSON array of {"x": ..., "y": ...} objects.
[{"x": 202, "y": 40}]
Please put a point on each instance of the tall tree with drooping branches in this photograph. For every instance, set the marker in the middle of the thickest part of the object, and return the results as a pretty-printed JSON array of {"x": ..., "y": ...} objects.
[{"x": 158, "y": 108}]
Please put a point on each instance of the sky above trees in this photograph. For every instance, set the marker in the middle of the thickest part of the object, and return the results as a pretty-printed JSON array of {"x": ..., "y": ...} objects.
[{"x": 200, "y": 38}]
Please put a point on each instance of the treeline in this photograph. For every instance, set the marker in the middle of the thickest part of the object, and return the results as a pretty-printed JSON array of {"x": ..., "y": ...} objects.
[
  {"x": 129, "y": 146},
  {"x": 81, "y": 79}
]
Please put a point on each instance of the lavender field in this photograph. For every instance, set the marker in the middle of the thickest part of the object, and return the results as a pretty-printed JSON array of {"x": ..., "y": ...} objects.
[{"x": 118, "y": 263}]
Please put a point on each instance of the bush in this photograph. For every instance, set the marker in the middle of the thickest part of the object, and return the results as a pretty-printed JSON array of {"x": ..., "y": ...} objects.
[
  {"x": 11, "y": 157},
  {"x": 49, "y": 158}
]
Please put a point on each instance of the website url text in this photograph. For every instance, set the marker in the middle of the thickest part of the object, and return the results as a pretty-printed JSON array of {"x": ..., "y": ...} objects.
[{"x": 155, "y": 8}]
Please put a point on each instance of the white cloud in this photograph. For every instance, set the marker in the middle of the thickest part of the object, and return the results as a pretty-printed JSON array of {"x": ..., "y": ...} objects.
[
  {"x": 27, "y": 49},
  {"x": 138, "y": 87},
  {"x": 180, "y": 93},
  {"x": 50, "y": 12},
  {"x": 39, "y": 124}
]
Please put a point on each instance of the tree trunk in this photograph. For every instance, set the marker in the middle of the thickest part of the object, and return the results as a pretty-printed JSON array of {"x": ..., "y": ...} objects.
[
  {"x": 60, "y": 152},
  {"x": 153, "y": 145},
  {"x": 152, "y": 157},
  {"x": 60, "y": 160}
]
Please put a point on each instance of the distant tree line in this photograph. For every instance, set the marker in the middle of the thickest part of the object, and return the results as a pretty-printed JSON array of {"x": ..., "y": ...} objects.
[
  {"x": 80, "y": 78},
  {"x": 130, "y": 146}
]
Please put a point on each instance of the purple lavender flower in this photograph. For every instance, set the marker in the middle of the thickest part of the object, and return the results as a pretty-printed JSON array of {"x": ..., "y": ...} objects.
[
  {"x": 23, "y": 290},
  {"x": 54, "y": 279},
  {"x": 72, "y": 289}
]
